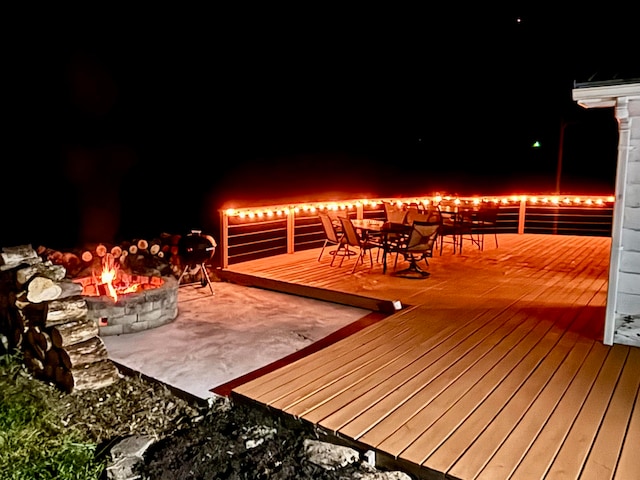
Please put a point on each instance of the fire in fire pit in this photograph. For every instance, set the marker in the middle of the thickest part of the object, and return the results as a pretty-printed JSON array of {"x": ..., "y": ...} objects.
[
  {"x": 112, "y": 281},
  {"x": 121, "y": 302}
]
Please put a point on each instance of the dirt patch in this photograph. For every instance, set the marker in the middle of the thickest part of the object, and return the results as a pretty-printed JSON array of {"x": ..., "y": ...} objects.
[{"x": 216, "y": 440}]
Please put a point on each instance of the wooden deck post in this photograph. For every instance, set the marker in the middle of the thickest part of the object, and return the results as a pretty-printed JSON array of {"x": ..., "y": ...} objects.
[
  {"x": 224, "y": 239},
  {"x": 522, "y": 215},
  {"x": 291, "y": 230}
]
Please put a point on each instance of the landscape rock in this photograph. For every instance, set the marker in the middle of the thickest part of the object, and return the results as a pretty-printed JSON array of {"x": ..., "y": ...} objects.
[
  {"x": 126, "y": 455},
  {"x": 329, "y": 456}
]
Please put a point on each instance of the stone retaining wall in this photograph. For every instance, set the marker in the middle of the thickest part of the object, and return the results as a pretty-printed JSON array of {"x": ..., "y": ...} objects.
[{"x": 135, "y": 312}]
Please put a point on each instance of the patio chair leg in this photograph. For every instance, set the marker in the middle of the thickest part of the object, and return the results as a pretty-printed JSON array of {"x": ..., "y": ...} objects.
[{"x": 358, "y": 260}]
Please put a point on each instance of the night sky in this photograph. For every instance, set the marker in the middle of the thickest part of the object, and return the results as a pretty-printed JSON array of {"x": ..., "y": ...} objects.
[{"x": 125, "y": 125}]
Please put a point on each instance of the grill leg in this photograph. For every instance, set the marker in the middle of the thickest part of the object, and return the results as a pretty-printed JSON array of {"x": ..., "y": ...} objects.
[
  {"x": 205, "y": 274},
  {"x": 182, "y": 274}
]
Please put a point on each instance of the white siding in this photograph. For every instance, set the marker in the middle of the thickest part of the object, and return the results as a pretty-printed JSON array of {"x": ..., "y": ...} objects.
[
  {"x": 630, "y": 261},
  {"x": 627, "y": 304},
  {"x": 623, "y": 298},
  {"x": 631, "y": 240},
  {"x": 629, "y": 283},
  {"x": 628, "y": 290}
]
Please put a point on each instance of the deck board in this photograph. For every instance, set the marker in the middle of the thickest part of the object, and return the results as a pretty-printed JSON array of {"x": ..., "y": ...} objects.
[{"x": 494, "y": 368}]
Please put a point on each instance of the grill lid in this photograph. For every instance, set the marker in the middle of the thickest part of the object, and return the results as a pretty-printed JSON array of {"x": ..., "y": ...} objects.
[{"x": 196, "y": 248}]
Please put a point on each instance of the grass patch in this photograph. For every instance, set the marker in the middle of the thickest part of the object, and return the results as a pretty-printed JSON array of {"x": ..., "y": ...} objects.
[{"x": 34, "y": 441}]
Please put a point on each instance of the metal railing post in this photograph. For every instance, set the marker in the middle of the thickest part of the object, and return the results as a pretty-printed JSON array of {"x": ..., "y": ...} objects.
[{"x": 522, "y": 213}]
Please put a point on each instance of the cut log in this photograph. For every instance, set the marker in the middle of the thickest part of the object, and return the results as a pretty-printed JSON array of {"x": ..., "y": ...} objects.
[
  {"x": 87, "y": 377},
  {"x": 89, "y": 351},
  {"x": 17, "y": 331},
  {"x": 72, "y": 332},
  {"x": 65, "y": 310},
  {"x": 37, "y": 343},
  {"x": 33, "y": 364},
  {"x": 101, "y": 250},
  {"x": 49, "y": 371},
  {"x": 143, "y": 244},
  {"x": 71, "y": 261},
  {"x": 54, "y": 256},
  {"x": 41, "y": 339},
  {"x": 21, "y": 301},
  {"x": 32, "y": 313},
  {"x": 52, "y": 358},
  {"x": 69, "y": 289},
  {"x": 17, "y": 255},
  {"x": 87, "y": 256},
  {"x": 63, "y": 378},
  {"x": 43, "y": 269},
  {"x": 42, "y": 289},
  {"x": 154, "y": 249}
]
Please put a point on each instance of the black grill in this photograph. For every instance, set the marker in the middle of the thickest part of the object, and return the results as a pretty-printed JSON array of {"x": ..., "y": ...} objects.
[{"x": 196, "y": 249}]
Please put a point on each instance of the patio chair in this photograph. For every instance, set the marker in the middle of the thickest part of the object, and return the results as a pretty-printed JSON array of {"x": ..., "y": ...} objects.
[
  {"x": 466, "y": 226},
  {"x": 352, "y": 239},
  {"x": 448, "y": 229},
  {"x": 418, "y": 246},
  {"x": 487, "y": 222},
  {"x": 393, "y": 213},
  {"x": 394, "y": 216},
  {"x": 432, "y": 213},
  {"x": 413, "y": 214},
  {"x": 332, "y": 236}
]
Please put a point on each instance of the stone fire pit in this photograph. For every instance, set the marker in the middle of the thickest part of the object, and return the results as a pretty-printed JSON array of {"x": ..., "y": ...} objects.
[{"x": 134, "y": 312}]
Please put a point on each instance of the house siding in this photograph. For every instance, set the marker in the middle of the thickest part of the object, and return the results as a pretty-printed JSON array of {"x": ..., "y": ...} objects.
[{"x": 628, "y": 291}]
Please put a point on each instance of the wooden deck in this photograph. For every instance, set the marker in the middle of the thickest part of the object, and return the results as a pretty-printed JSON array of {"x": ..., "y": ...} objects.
[{"x": 494, "y": 368}]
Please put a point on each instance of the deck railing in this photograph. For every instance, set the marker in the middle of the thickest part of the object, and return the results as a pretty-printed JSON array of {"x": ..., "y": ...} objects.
[{"x": 258, "y": 232}]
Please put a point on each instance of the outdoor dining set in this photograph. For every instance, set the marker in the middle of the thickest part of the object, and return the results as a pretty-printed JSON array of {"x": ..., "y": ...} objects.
[{"x": 409, "y": 231}]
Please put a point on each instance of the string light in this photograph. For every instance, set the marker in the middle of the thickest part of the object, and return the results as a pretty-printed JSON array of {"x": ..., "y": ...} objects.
[{"x": 372, "y": 204}]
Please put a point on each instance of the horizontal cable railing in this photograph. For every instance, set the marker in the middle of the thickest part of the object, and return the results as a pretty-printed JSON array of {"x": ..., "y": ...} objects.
[{"x": 258, "y": 232}]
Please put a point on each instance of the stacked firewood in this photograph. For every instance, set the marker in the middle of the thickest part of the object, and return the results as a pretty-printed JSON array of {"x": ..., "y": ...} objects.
[
  {"x": 157, "y": 256},
  {"x": 49, "y": 323}
]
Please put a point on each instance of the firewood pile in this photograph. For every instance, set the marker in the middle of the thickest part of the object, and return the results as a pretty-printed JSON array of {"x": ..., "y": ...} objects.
[
  {"x": 158, "y": 256},
  {"x": 44, "y": 315}
]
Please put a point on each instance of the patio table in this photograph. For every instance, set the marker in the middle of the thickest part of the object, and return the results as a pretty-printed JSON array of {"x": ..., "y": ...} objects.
[{"x": 383, "y": 229}]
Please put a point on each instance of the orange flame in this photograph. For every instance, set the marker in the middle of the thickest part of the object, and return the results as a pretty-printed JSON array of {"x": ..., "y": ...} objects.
[
  {"x": 109, "y": 274},
  {"x": 110, "y": 279}
]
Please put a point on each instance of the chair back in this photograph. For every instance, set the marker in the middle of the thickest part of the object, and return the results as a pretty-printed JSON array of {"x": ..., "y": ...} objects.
[
  {"x": 413, "y": 215},
  {"x": 422, "y": 238},
  {"x": 433, "y": 214},
  {"x": 393, "y": 213},
  {"x": 350, "y": 234},
  {"x": 329, "y": 228},
  {"x": 466, "y": 215},
  {"x": 488, "y": 214}
]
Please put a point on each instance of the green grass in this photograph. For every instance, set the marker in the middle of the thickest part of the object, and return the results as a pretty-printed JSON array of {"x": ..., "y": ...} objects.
[{"x": 34, "y": 442}]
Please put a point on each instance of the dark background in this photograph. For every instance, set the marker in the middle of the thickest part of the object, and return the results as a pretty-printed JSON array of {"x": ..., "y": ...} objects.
[{"x": 127, "y": 124}]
